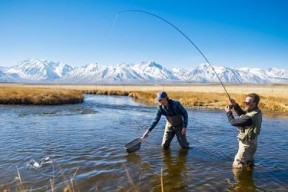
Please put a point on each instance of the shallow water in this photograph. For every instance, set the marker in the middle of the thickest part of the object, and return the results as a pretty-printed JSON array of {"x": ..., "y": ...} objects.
[{"x": 85, "y": 142}]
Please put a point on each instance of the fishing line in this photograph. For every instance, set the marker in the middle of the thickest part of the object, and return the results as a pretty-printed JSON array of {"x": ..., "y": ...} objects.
[
  {"x": 113, "y": 24},
  {"x": 140, "y": 11}
]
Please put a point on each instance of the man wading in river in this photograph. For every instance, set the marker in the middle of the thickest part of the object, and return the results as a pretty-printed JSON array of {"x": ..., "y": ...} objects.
[
  {"x": 249, "y": 125},
  {"x": 176, "y": 123}
]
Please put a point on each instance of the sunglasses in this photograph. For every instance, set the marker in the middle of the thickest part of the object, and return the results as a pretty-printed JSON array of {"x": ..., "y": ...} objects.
[{"x": 247, "y": 103}]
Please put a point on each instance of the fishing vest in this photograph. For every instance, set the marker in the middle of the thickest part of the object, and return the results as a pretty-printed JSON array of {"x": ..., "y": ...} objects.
[
  {"x": 249, "y": 133},
  {"x": 174, "y": 120}
]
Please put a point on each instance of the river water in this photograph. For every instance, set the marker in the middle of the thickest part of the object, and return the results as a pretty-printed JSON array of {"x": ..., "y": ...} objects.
[{"x": 85, "y": 143}]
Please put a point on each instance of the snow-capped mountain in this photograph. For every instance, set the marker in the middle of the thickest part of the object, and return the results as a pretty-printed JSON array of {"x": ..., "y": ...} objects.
[
  {"x": 129, "y": 73},
  {"x": 4, "y": 77},
  {"x": 39, "y": 70},
  {"x": 43, "y": 71}
]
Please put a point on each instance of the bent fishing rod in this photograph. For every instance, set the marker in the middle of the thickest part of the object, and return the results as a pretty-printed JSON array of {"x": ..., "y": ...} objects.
[{"x": 166, "y": 21}]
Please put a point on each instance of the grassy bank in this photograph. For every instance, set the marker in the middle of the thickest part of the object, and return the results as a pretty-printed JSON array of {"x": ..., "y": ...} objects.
[
  {"x": 202, "y": 100},
  {"x": 205, "y": 96},
  {"x": 26, "y": 95}
]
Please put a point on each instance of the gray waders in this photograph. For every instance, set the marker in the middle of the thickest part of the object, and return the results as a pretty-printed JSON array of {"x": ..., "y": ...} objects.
[{"x": 170, "y": 132}]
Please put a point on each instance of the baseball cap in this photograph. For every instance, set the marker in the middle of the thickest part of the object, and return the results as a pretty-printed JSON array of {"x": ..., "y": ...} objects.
[{"x": 161, "y": 95}]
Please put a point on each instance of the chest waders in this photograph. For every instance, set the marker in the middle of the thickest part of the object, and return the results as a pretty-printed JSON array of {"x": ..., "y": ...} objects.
[
  {"x": 173, "y": 127},
  {"x": 247, "y": 137},
  {"x": 174, "y": 120},
  {"x": 249, "y": 133}
]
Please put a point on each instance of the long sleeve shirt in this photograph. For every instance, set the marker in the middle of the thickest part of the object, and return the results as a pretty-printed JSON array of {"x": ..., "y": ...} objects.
[
  {"x": 175, "y": 108},
  {"x": 243, "y": 119}
]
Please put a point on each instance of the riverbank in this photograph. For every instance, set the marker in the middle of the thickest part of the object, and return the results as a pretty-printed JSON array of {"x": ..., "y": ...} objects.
[
  {"x": 30, "y": 95},
  {"x": 204, "y": 96}
]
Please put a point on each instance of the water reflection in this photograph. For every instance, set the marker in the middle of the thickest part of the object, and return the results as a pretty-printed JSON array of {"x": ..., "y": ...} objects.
[
  {"x": 243, "y": 180},
  {"x": 174, "y": 167}
]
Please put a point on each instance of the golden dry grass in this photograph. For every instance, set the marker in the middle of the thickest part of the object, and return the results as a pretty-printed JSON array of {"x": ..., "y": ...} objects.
[
  {"x": 38, "y": 96},
  {"x": 211, "y": 96}
]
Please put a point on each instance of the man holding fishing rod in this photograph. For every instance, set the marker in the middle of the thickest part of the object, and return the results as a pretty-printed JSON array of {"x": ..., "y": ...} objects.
[
  {"x": 249, "y": 125},
  {"x": 176, "y": 124}
]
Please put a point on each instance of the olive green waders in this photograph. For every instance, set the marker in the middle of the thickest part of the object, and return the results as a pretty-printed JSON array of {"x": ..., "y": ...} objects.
[{"x": 247, "y": 137}]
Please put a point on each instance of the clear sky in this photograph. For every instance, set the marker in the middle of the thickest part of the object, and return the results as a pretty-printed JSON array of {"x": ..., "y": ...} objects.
[{"x": 243, "y": 33}]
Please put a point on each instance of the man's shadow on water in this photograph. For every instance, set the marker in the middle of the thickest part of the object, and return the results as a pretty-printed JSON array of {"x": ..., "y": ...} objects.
[
  {"x": 174, "y": 170},
  {"x": 243, "y": 179}
]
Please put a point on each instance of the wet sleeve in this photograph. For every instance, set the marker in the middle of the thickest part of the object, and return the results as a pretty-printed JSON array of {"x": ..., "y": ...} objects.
[
  {"x": 242, "y": 121},
  {"x": 156, "y": 119},
  {"x": 184, "y": 114}
]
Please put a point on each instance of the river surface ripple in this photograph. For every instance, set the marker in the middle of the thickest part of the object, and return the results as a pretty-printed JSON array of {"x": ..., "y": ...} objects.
[{"x": 85, "y": 142}]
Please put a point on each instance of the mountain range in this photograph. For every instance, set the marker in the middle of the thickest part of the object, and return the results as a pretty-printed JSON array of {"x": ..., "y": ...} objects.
[{"x": 43, "y": 71}]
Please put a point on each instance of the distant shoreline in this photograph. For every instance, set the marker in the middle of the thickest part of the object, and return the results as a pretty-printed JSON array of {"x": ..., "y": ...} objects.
[{"x": 197, "y": 96}]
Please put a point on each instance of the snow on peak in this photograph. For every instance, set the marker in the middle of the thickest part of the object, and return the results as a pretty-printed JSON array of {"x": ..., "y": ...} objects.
[{"x": 36, "y": 70}]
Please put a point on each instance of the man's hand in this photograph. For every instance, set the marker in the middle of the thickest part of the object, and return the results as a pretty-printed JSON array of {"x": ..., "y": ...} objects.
[
  {"x": 227, "y": 108},
  {"x": 232, "y": 102},
  {"x": 183, "y": 131},
  {"x": 146, "y": 134}
]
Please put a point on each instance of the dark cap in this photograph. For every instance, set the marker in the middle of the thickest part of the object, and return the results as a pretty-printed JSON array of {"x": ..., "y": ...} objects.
[{"x": 161, "y": 95}]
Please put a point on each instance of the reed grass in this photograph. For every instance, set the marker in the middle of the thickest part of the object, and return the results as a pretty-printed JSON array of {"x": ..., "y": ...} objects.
[
  {"x": 39, "y": 96},
  {"x": 162, "y": 181},
  {"x": 21, "y": 186},
  {"x": 71, "y": 186}
]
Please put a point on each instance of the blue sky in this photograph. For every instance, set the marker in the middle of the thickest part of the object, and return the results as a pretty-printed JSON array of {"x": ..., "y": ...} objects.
[{"x": 246, "y": 33}]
